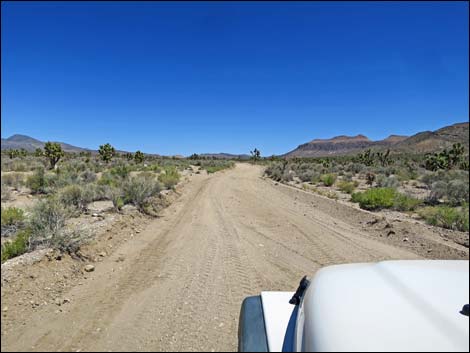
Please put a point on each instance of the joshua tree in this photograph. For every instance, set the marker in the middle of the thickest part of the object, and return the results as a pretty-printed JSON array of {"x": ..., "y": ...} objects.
[
  {"x": 255, "y": 155},
  {"x": 53, "y": 152},
  {"x": 106, "y": 152},
  {"x": 384, "y": 158},
  {"x": 39, "y": 152},
  {"x": 139, "y": 157},
  {"x": 370, "y": 178},
  {"x": 129, "y": 156}
]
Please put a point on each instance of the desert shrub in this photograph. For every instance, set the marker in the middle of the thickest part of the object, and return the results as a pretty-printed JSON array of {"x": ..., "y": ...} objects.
[
  {"x": 94, "y": 192},
  {"x": 47, "y": 225},
  {"x": 446, "y": 217},
  {"x": 438, "y": 191},
  {"x": 12, "y": 216},
  {"x": 88, "y": 176},
  {"x": 378, "y": 198},
  {"x": 275, "y": 170},
  {"x": 37, "y": 182},
  {"x": 6, "y": 193},
  {"x": 347, "y": 187},
  {"x": 387, "y": 182},
  {"x": 403, "y": 202},
  {"x": 18, "y": 246},
  {"x": 121, "y": 171},
  {"x": 458, "y": 192},
  {"x": 347, "y": 176},
  {"x": 355, "y": 167},
  {"x": 287, "y": 175},
  {"x": 116, "y": 196},
  {"x": 73, "y": 195},
  {"x": 62, "y": 177},
  {"x": 169, "y": 178},
  {"x": 306, "y": 174},
  {"x": 328, "y": 179},
  {"x": 15, "y": 180},
  {"x": 138, "y": 190},
  {"x": 375, "y": 198}
]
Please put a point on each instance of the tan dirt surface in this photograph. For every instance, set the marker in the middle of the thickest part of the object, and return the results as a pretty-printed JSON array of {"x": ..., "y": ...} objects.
[{"x": 179, "y": 284}]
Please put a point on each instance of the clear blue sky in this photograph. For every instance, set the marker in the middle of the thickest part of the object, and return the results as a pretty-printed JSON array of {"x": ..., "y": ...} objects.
[{"x": 178, "y": 78}]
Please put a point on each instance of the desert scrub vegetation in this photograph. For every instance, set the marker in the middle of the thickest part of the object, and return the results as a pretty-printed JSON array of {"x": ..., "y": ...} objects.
[
  {"x": 169, "y": 177},
  {"x": 447, "y": 217},
  {"x": 347, "y": 186},
  {"x": 386, "y": 180},
  {"x": 379, "y": 198},
  {"x": 213, "y": 166},
  {"x": 17, "y": 246}
]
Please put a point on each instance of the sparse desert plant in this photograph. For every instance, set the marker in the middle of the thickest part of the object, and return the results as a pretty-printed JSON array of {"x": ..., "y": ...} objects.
[
  {"x": 403, "y": 202},
  {"x": 458, "y": 192},
  {"x": 47, "y": 225},
  {"x": 12, "y": 216},
  {"x": 375, "y": 198},
  {"x": 88, "y": 176},
  {"x": 37, "y": 182},
  {"x": 169, "y": 178},
  {"x": 446, "y": 217},
  {"x": 328, "y": 179},
  {"x": 13, "y": 179},
  {"x": 53, "y": 152},
  {"x": 6, "y": 193},
  {"x": 73, "y": 195},
  {"x": 379, "y": 198},
  {"x": 106, "y": 152},
  {"x": 137, "y": 190},
  {"x": 346, "y": 186},
  {"x": 387, "y": 182},
  {"x": 18, "y": 246}
]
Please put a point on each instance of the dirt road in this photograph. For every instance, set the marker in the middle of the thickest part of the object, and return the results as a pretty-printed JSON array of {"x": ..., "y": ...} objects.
[{"x": 179, "y": 285}]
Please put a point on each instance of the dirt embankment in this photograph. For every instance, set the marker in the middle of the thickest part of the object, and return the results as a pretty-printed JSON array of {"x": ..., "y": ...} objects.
[{"x": 179, "y": 283}]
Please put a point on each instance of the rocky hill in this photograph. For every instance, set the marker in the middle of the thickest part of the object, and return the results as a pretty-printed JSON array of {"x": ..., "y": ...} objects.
[
  {"x": 423, "y": 142},
  {"x": 30, "y": 144}
]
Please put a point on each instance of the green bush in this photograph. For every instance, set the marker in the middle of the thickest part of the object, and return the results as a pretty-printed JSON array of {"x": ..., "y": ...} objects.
[
  {"x": 169, "y": 178},
  {"x": 139, "y": 189},
  {"x": 447, "y": 217},
  {"x": 328, "y": 179},
  {"x": 378, "y": 198},
  {"x": 375, "y": 198},
  {"x": 12, "y": 216},
  {"x": 346, "y": 186},
  {"x": 73, "y": 195},
  {"x": 405, "y": 203},
  {"x": 37, "y": 182},
  {"x": 387, "y": 182},
  {"x": 47, "y": 225},
  {"x": 18, "y": 246}
]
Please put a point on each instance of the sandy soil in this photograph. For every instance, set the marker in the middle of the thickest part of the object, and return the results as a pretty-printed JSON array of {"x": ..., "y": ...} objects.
[{"x": 179, "y": 284}]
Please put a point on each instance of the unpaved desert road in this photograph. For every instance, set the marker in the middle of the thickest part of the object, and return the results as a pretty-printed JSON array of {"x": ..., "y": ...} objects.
[{"x": 229, "y": 235}]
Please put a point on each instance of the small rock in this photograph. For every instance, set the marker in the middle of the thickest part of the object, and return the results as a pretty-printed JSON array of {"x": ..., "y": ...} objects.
[
  {"x": 89, "y": 268},
  {"x": 102, "y": 254},
  {"x": 120, "y": 258},
  {"x": 5, "y": 309},
  {"x": 390, "y": 232},
  {"x": 406, "y": 239},
  {"x": 429, "y": 250},
  {"x": 95, "y": 215}
]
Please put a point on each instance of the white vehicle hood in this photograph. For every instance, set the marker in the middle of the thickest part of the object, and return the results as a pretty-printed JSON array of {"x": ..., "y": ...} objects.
[{"x": 387, "y": 306}]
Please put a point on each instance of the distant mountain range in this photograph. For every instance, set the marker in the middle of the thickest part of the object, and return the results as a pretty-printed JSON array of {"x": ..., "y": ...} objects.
[
  {"x": 423, "y": 142},
  {"x": 30, "y": 144}
]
